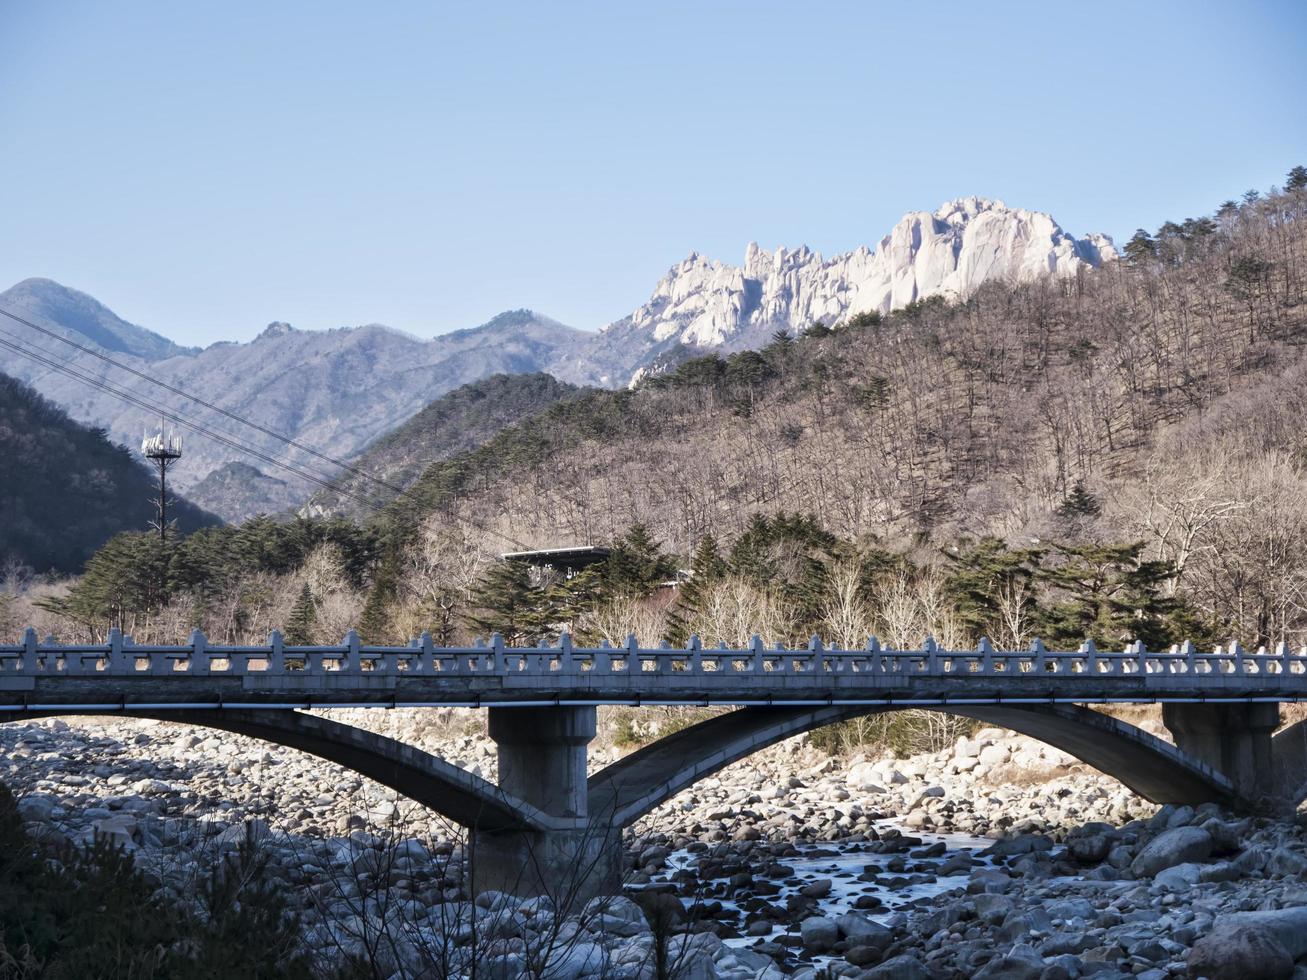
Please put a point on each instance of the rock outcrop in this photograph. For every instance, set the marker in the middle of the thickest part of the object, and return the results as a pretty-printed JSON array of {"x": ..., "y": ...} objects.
[{"x": 701, "y": 303}]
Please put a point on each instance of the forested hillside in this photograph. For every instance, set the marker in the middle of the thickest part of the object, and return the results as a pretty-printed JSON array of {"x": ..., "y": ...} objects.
[
  {"x": 1155, "y": 400},
  {"x": 67, "y": 488},
  {"x": 1117, "y": 455},
  {"x": 455, "y": 422}
]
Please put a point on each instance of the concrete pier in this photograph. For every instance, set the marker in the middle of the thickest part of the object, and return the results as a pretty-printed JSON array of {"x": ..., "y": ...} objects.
[
  {"x": 1234, "y": 739},
  {"x": 542, "y": 762}
]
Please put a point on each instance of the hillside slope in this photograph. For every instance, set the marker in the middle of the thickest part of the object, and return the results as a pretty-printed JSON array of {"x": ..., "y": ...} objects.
[
  {"x": 242, "y": 491},
  {"x": 941, "y": 420},
  {"x": 67, "y": 488},
  {"x": 455, "y": 422}
]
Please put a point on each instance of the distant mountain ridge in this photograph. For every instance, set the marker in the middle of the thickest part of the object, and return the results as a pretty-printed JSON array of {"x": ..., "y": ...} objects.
[
  {"x": 52, "y": 303},
  {"x": 336, "y": 390},
  {"x": 340, "y": 390}
]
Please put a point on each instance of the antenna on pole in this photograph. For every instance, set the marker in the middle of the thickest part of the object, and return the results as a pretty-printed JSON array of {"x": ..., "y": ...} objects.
[{"x": 163, "y": 449}]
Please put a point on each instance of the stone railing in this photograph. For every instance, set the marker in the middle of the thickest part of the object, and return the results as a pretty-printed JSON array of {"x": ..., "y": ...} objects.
[{"x": 121, "y": 657}]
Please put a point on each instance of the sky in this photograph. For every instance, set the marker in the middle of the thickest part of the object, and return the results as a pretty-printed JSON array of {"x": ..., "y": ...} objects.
[{"x": 205, "y": 168}]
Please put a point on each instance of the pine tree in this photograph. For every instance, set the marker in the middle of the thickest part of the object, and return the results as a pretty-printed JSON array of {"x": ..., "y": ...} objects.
[
  {"x": 637, "y": 565},
  {"x": 986, "y": 575},
  {"x": 1079, "y": 504},
  {"x": 303, "y": 618},
  {"x": 127, "y": 578},
  {"x": 706, "y": 568},
  {"x": 375, "y": 622},
  {"x": 1108, "y": 594},
  {"x": 1297, "y": 179},
  {"x": 504, "y": 601},
  {"x": 1141, "y": 247}
]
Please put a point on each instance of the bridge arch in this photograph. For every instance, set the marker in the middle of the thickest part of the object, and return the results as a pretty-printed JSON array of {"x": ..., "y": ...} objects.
[
  {"x": 1153, "y": 768},
  {"x": 441, "y": 786}
]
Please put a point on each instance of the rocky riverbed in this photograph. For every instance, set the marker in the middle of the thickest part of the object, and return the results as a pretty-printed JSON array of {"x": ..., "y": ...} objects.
[{"x": 996, "y": 858}]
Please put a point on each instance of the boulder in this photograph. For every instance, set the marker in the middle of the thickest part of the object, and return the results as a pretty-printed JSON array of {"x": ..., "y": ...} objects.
[
  {"x": 119, "y": 830},
  {"x": 1171, "y": 847},
  {"x": 578, "y": 960},
  {"x": 1180, "y": 877},
  {"x": 1021, "y": 844},
  {"x": 1240, "y": 951},
  {"x": 905, "y": 967},
  {"x": 816, "y": 889},
  {"x": 1286, "y": 861},
  {"x": 863, "y": 777},
  {"x": 818, "y": 933},
  {"x": 1021, "y": 963},
  {"x": 1287, "y": 926},
  {"x": 36, "y": 807},
  {"x": 994, "y": 755},
  {"x": 861, "y": 931},
  {"x": 1089, "y": 849}
]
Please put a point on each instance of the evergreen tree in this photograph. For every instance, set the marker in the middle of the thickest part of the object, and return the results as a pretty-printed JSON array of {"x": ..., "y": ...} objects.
[
  {"x": 1140, "y": 247},
  {"x": 1079, "y": 504},
  {"x": 637, "y": 564},
  {"x": 867, "y": 318},
  {"x": 1297, "y": 179},
  {"x": 788, "y": 555},
  {"x": 1108, "y": 594},
  {"x": 986, "y": 576},
  {"x": 706, "y": 569},
  {"x": 127, "y": 578},
  {"x": 303, "y": 618},
  {"x": 504, "y": 601},
  {"x": 375, "y": 621}
]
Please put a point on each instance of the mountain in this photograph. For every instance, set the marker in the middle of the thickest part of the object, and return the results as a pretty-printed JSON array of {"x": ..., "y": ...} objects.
[
  {"x": 335, "y": 390},
  {"x": 702, "y": 305},
  {"x": 340, "y": 390},
  {"x": 84, "y": 318},
  {"x": 455, "y": 422},
  {"x": 67, "y": 488},
  {"x": 242, "y": 491},
  {"x": 1146, "y": 398}
]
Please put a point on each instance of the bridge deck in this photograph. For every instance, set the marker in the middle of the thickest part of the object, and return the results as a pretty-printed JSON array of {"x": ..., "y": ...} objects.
[{"x": 121, "y": 675}]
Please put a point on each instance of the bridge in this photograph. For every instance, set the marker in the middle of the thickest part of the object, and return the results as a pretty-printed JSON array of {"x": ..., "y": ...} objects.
[{"x": 546, "y": 820}]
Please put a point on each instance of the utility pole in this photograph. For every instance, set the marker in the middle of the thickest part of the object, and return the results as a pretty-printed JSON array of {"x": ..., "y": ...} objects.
[{"x": 163, "y": 449}]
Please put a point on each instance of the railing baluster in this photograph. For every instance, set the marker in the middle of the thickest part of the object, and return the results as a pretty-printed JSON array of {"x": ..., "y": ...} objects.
[
  {"x": 29, "y": 662},
  {"x": 1236, "y": 651}
]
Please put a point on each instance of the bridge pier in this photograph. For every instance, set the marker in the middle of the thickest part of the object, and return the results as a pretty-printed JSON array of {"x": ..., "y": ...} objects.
[
  {"x": 1234, "y": 739},
  {"x": 542, "y": 761}
]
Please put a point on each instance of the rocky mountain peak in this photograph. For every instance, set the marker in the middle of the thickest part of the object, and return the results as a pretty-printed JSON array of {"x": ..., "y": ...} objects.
[
  {"x": 276, "y": 328},
  {"x": 702, "y": 303}
]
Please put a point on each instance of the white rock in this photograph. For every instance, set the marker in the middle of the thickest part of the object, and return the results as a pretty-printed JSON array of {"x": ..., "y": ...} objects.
[{"x": 968, "y": 241}]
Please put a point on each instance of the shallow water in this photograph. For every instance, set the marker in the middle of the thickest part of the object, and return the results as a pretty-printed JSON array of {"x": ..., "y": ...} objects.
[{"x": 843, "y": 863}]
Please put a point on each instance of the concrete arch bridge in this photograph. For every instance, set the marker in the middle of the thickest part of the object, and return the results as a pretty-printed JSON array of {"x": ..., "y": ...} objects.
[{"x": 544, "y": 819}]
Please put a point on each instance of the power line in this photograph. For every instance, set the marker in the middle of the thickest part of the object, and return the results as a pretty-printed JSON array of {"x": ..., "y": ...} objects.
[
  {"x": 200, "y": 401},
  {"x": 50, "y": 360},
  {"x": 171, "y": 416}
]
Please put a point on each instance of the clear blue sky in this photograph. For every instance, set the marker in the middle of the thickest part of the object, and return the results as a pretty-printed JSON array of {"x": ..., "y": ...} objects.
[{"x": 205, "y": 168}]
